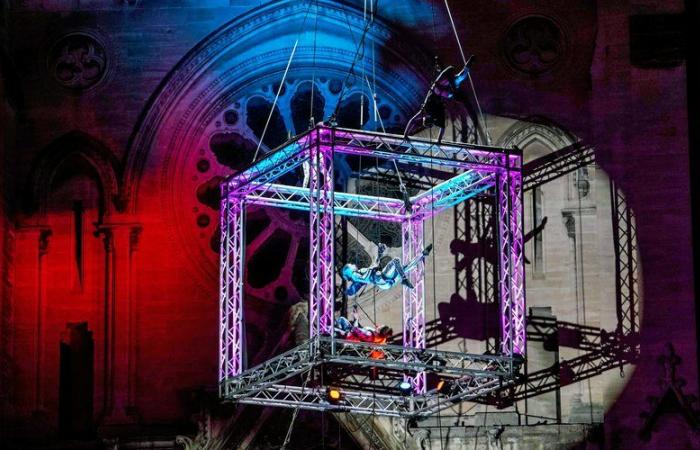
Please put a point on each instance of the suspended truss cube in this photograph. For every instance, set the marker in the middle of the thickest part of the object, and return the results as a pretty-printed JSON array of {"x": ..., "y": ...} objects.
[{"x": 296, "y": 378}]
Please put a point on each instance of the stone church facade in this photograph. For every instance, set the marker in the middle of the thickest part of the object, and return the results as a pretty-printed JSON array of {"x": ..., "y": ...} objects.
[{"x": 120, "y": 118}]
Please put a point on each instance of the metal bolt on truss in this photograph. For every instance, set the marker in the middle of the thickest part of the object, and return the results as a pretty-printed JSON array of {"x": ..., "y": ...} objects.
[{"x": 459, "y": 172}]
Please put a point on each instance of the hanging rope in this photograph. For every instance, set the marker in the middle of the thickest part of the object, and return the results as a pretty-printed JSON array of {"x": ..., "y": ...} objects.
[
  {"x": 313, "y": 71},
  {"x": 360, "y": 45},
  {"x": 281, "y": 85},
  {"x": 469, "y": 75},
  {"x": 454, "y": 29},
  {"x": 288, "y": 437},
  {"x": 274, "y": 103},
  {"x": 378, "y": 118}
]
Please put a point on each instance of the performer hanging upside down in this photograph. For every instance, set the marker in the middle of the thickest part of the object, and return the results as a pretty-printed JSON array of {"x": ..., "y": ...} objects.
[
  {"x": 432, "y": 112},
  {"x": 353, "y": 331},
  {"x": 384, "y": 274}
]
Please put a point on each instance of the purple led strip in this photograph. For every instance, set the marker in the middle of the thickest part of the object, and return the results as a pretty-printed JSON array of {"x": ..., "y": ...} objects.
[
  {"x": 414, "y": 299},
  {"x": 232, "y": 262}
]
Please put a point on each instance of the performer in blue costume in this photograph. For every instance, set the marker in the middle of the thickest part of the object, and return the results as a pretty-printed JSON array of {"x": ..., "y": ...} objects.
[{"x": 384, "y": 274}]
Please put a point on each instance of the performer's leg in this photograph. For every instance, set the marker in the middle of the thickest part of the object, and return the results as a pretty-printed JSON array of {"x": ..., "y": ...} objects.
[
  {"x": 394, "y": 270},
  {"x": 414, "y": 263}
]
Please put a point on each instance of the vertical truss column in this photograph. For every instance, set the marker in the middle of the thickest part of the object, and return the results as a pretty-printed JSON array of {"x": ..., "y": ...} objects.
[
  {"x": 512, "y": 271},
  {"x": 626, "y": 265},
  {"x": 414, "y": 299},
  {"x": 321, "y": 222},
  {"x": 503, "y": 205},
  {"x": 517, "y": 265},
  {"x": 231, "y": 348}
]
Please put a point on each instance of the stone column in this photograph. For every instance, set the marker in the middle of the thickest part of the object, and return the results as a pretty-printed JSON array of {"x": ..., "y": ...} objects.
[
  {"x": 120, "y": 240},
  {"x": 30, "y": 301}
]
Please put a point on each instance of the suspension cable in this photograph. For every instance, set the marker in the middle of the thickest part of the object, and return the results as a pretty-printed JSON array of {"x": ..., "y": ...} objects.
[
  {"x": 281, "y": 85},
  {"x": 469, "y": 75},
  {"x": 454, "y": 29},
  {"x": 288, "y": 437},
  {"x": 354, "y": 61},
  {"x": 313, "y": 71},
  {"x": 402, "y": 186}
]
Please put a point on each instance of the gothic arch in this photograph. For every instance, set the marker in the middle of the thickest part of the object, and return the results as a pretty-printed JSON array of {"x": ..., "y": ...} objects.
[
  {"x": 536, "y": 129},
  {"x": 99, "y": 160}
]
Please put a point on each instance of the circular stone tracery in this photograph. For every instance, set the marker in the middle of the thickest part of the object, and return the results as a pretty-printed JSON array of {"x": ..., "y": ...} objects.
[
  {"x": 277, "y": 239},
  {"x": 214, "y": 125}
]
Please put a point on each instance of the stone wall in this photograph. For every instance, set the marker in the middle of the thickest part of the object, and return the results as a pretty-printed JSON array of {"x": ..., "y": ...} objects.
[{"x": 162, "y": 79}]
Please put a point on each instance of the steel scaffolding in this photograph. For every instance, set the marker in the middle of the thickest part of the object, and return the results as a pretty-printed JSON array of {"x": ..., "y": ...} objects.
[{"x": 463, "y": 171}]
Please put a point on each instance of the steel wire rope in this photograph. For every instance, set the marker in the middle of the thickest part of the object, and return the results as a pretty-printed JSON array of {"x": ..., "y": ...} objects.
[
  {"x": 469, "y": 75},
  {"x": 313, "y": 71},
  {"x": 373, "y": 91},
  {"x": 281, "y": 85},
  {"x": 351, "y": 70},
  {"x": 288, "y": 437},
  {"x": 432, "y": 221}
]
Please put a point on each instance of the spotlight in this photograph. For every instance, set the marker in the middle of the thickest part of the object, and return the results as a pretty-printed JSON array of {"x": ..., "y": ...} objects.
[
  {"x": 405, "y": 387},
  {"x": 441, "y": 385},
  {"x": 334, "y": 395}
]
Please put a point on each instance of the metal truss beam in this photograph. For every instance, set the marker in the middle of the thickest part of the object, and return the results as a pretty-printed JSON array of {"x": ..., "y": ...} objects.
[
  {"x": 344, "y": 204},
  {"x": 358, "y": 402},
  {"x": 325, "y": 350},
  {"x": 372, "y": 403},
  {"x": 423, "y": 151},
  {"x": 414, "y": 299},
  {"x": 554, "y": 165},
  {"x": 512, "y": 275},
  {"x": 451, "y": 192},
  {"x": 275, "y": 370},
  {"x": 626, "y": 264},
  {"x": 274, "y": 165},
  {"x": 231, "y": 265},
  {"x": 414, "y": 359},
  {"x": 321, "y": 240}
]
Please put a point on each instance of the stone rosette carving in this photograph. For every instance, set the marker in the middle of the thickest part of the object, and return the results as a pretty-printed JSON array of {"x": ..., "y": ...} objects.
[
  {"x": 534, "y": 45},
  {"x": 78, "y": 61}
]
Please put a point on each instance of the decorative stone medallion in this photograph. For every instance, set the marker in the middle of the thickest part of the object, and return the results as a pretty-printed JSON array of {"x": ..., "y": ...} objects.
[
  {"x": 534, "y": 45},
  {"x": 78, "y": 61}
]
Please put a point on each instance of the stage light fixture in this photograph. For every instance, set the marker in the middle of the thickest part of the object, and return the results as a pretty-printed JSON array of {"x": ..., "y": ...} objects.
[
  {"x": 405, "y": 387},
  {"x": 334, "y": 395}
]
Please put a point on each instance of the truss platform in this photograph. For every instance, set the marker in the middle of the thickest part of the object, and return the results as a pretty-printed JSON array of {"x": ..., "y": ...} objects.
[
  {"x": 471, "y": 376},
  {"x": 299, "y": 378}
]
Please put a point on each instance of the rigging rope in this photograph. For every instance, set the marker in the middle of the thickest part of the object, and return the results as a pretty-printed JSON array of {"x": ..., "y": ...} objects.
[
  {"x": 454, "y": 29},
  {"x": 288, "y": 437},
  {"x": 281, "y": 85},
  {"x": 469, "y": 75},
  {"x": 313, "y": 71},
  {"x": 352, "y": 66}
]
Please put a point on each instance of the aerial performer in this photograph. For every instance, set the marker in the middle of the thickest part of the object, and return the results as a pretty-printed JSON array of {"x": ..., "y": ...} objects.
[
  {"x": 384, "y": 274},
  {"x": 352, "y": 330},
  {"x": 445, "y": 87}
]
